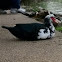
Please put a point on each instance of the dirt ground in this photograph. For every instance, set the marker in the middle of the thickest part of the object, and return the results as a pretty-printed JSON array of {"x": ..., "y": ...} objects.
[{"x": 14, "y": 50}]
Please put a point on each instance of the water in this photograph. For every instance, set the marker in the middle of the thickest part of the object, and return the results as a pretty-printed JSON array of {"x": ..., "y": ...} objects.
[{"x": 54, "y": 6}]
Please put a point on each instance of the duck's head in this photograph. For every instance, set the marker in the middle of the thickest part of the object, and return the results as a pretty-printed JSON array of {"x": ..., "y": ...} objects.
[{"x": 51, "y": 19}]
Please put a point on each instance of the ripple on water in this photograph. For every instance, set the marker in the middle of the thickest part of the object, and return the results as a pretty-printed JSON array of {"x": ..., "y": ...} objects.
[{"x": 55, "y": 7}]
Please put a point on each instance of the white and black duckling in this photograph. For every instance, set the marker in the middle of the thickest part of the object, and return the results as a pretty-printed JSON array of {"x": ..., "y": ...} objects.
[{"x": 34, "y": 31}]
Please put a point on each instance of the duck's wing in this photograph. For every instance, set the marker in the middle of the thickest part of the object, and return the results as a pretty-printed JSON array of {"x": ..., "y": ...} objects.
[
  {"x": 31, "y": 26},
  {"x": 26, "y": 31}
]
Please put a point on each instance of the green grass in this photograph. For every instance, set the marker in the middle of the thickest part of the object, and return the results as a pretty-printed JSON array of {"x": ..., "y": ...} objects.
[
  {"x": 35, "y": 7},
  {"x": 59, "y": 28}
]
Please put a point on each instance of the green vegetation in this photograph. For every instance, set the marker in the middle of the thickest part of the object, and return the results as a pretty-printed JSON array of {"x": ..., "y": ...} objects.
[
  {"x": 35, "y": 7},
  {"x": 28, "y": 2},
  {"x": 59, "y": 29}
]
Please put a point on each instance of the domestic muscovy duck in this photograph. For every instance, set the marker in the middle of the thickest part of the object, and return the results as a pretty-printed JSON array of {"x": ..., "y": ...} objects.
[{"x": 34, "y": 31}]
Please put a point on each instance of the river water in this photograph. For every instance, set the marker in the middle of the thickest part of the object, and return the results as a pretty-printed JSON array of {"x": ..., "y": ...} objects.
[{"x": 54, "y": 6}]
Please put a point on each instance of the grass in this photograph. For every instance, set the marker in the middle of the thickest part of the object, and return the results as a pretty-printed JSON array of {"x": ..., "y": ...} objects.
[
  {"x": 59, "y": 29},
  {"x": 35, "y": 7}
]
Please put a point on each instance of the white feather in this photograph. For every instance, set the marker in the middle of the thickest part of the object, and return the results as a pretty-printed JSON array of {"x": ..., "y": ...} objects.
[
  {"x": 50, "y": 15},
  {"x": 42, "y": 35},
  {"x": 53, "y": 29}
]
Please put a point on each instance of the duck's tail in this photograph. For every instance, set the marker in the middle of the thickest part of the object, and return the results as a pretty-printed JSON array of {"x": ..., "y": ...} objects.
[{"x": 5, "y": 27}]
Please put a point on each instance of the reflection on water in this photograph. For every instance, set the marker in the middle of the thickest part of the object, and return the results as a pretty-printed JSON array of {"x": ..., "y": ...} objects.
[{"x": 53, "y": 6}]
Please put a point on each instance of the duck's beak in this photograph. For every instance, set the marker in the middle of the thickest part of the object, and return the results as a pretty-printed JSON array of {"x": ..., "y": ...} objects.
[{"x": 55, "y": 20}]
